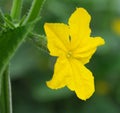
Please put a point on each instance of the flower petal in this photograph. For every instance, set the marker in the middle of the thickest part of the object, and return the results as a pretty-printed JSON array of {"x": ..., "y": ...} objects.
[
  {"x": 87, "y": 48},
  {"x": 82, "y": 79},
  {"x": 57, "y": 37},
  {"x": 61, "y": 73},
  {"x": 79, "y": 26}
]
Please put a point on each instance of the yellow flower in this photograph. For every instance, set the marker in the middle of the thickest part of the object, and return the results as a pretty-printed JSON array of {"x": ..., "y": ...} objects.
[{"x": 74, "y": 47}]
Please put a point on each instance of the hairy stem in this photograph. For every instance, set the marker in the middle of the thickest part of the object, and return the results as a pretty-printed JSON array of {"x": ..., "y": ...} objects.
[{"x": 34, "y": 10}]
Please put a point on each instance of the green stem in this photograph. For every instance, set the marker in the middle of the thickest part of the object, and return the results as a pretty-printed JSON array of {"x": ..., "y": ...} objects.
[
  {"x": 34, "y": 10},
  {"x": 16, "y": 9},
  {"x": 5, "y": 97}
]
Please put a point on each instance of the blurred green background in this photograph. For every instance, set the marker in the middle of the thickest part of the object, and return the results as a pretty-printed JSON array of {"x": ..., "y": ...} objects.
[{"x": 31, "y": 67}]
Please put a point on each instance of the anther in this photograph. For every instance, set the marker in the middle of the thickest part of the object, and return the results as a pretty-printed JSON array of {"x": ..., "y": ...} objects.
[{"x": 69, "y": 54}]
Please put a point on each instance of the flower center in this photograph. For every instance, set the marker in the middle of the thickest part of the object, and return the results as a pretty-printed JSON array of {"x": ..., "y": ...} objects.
[{"x": 69, "y": 54}]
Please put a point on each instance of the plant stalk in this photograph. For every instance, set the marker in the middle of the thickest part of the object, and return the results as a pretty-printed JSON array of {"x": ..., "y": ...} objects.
[
  {"x": 34, "y": 10},
  {"x": 16, "y": 9},
  {"x": 5, "y": 97}
]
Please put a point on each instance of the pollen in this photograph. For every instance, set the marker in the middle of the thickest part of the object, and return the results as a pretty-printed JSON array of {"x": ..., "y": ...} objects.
[{"x": 69, "y": 54}]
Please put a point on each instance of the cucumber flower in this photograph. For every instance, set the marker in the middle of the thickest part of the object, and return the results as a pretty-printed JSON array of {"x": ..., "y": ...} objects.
[{"x": 73, "y": 47}]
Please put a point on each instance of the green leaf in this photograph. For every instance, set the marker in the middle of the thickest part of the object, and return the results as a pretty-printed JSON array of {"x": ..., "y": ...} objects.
[{"x": 9, "y": 42}]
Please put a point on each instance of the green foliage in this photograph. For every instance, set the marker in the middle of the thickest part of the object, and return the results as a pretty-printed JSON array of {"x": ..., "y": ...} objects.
[
  {"x": 9, "y": 42},
  {"x": 13, "y": 34}
]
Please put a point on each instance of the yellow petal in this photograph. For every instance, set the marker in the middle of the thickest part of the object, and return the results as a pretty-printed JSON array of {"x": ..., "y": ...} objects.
[
  {"x": 57, "y": 37},
  {"x": 87, "y": 48},
  {"x": 79, "y": 26},
  {"x": 82, "y": 79},
  {"x": 61, "y": 73}
]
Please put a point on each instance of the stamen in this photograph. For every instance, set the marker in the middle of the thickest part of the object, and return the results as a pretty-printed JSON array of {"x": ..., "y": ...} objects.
[{"x": 69, "y": 54}]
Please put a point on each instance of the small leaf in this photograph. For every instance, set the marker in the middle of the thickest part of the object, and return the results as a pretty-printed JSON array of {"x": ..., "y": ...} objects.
[{"x": 9, "y": 42}]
